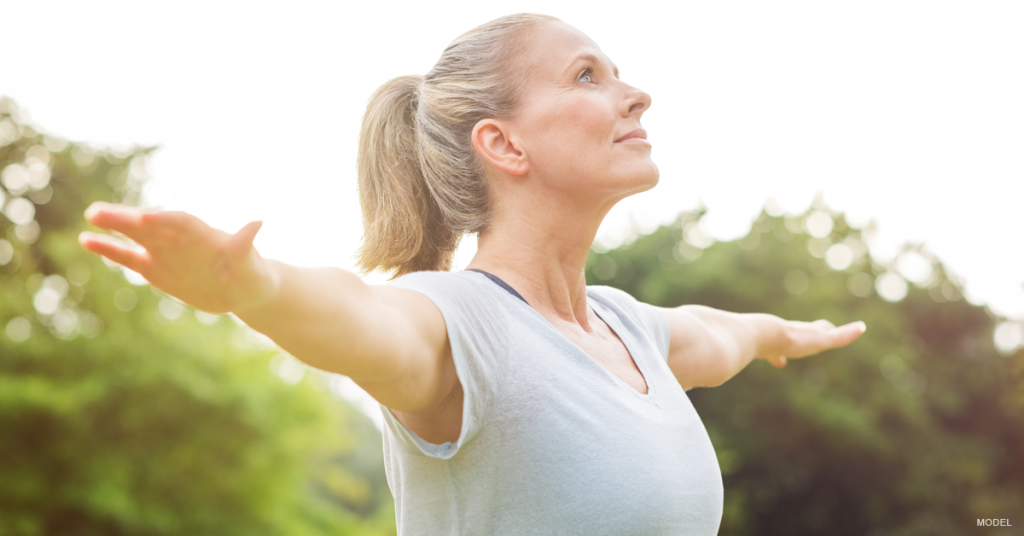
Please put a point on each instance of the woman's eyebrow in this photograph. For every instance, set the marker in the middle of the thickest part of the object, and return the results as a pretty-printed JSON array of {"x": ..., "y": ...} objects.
[{"x": 586, "y": 56}]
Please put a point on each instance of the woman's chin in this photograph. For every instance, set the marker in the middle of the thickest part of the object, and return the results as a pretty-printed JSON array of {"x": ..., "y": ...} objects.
[
  {"x": 640, "y": 181},
  {"x": 648, "y": 177}
]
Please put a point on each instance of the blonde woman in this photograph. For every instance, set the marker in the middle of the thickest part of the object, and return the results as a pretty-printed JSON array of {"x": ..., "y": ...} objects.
[{"x": 517, "y": 400}]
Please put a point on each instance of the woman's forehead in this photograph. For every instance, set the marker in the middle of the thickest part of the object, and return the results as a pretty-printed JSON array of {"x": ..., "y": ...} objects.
[{"x": 555, "y": 47}]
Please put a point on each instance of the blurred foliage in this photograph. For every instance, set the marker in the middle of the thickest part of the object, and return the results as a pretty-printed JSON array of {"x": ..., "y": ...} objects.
[
  {"x": 121, "y": 412},
  {"x": 915, "y": 429}
]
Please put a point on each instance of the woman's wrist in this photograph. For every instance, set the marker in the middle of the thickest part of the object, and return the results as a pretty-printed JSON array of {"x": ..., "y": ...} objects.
[
  {"x": 772, "y": 336},
  {"x": 263, "y": 290}
]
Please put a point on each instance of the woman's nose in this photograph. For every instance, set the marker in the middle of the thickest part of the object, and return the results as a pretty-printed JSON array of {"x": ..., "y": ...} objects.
[{"x": 635, "y": 102}]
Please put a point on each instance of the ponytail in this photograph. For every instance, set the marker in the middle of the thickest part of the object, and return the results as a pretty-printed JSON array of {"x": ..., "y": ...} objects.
[
  {"x": 421, "y": 185},
  {"x": 404, "y": 230}
]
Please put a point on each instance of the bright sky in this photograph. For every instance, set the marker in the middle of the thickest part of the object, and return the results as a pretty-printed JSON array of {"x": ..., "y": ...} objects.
[{"x": 909, "y": 113}]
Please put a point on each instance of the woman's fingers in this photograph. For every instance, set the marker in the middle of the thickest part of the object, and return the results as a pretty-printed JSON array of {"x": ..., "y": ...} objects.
[
  {"x": 115, "y": 250},
  {"x": 155, "y": 231},
  {"x": 848, "y": 333},
  {"x": 843, "y": 335},
  {"x": 175, "y": 221},
  {"x": 120, "y": 218},
  {"x": 140, "y": 225},
  {"x": 778, "y": 361},
  {"x": 815, "y": 337}
]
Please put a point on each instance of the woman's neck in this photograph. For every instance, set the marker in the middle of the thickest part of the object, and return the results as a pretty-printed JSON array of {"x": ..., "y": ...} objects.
[{"x": 541, "y": 252}]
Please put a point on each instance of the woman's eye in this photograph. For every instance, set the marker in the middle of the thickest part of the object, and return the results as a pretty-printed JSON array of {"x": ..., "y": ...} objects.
[{"x": 585, "y": 77}]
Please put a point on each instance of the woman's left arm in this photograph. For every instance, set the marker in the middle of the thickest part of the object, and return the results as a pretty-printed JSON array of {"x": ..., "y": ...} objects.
[{"x": 708, "y": 346}]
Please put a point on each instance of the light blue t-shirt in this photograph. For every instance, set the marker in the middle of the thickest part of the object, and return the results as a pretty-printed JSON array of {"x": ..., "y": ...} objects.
[{"x": 551, "y": 442}]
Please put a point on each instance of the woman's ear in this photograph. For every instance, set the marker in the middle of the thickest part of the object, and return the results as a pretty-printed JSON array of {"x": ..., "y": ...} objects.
[{"x": 494, "y": 143}]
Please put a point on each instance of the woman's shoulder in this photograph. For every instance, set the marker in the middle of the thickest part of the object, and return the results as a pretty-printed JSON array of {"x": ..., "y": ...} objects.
[
  {"x": 462, "y": 290},
  {"x": 437, "y": 280},
  {"x": 644, "y": 315},
  {"x": 613, "y": 296},
  {"x": 624, "y": 303}
]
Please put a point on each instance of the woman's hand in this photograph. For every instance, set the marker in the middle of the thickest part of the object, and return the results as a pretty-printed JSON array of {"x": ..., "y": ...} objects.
[
  {"x": 802, "y": 339},
  {"x": 204, "y": 267},
  {"x": 708, "y": 346}
]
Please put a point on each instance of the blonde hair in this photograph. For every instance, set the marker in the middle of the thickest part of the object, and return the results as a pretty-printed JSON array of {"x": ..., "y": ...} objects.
[{"x": 421, "y": 185}]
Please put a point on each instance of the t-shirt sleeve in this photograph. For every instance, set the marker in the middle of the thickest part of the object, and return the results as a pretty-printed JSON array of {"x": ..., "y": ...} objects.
[
  {"x": 648, "y": 316},
  {"x": 478, "y": 334}
]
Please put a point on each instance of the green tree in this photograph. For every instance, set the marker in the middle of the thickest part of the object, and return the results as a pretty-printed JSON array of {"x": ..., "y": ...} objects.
[
  {"x": 122, "y": 412},
  {"x": 915, "y": 429}
]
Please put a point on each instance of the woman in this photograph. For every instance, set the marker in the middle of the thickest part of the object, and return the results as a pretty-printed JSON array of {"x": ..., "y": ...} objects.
[{"x": 517, "y": 400}]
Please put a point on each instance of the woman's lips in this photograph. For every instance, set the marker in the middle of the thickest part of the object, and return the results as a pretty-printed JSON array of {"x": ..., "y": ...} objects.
[{"x": 635, "y": 136}]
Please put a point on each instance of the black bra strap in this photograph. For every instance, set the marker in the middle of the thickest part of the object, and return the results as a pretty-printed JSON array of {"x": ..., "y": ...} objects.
[{"x": 500, "y": 283}]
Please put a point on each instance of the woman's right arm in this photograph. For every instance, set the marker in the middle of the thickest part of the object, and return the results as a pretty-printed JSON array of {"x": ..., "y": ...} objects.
[{"x": 391, "y": 341}]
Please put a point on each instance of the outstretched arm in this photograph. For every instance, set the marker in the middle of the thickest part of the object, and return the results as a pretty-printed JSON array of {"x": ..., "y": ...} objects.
[
  {"x": 708, "y": 346},
  {"x": 390, "y": 341}
]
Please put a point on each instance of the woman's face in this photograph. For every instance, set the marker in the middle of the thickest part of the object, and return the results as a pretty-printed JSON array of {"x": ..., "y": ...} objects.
[{"x": 578, "y": 122}]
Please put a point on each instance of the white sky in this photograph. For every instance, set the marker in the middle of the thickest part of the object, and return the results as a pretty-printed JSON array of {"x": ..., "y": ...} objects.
[{"x": 906, "y": 112}]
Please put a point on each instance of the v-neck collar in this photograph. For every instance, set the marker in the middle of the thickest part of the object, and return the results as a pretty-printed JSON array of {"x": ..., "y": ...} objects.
[
  {"x": 611, "y": 319},
  {"x": 614, "y": 323}
]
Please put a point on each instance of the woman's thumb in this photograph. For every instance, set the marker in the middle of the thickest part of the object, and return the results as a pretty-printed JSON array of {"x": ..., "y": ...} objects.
[{"x": 242, "y": 240}]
